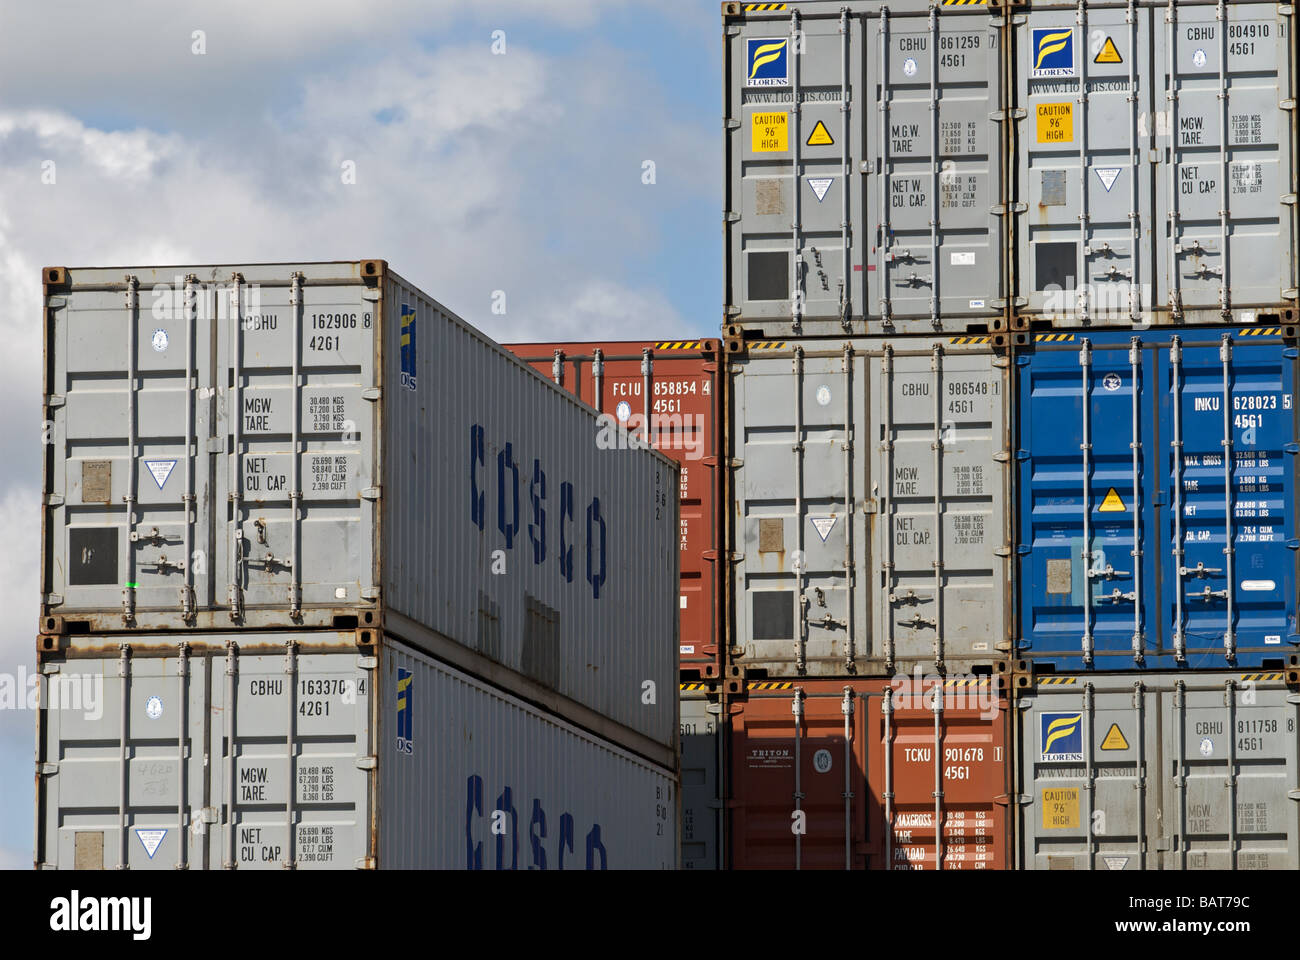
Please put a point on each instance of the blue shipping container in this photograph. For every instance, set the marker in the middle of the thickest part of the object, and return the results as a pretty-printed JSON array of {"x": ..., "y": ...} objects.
[{"x": 1164, "y": 435}]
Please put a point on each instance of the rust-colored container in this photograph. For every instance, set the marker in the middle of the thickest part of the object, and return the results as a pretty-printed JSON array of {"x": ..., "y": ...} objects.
[
  {"x": 866, "y": 768},
  {"x": 676, "y": 385}
]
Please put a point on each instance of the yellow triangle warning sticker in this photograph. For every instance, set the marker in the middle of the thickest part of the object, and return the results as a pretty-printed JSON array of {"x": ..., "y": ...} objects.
[
  {"x": 1112, "y": 503},
  {"x": 1109, "y": 53},
  {"x": 820, "y": 137},
  {"x": 1114, "y": 739}
]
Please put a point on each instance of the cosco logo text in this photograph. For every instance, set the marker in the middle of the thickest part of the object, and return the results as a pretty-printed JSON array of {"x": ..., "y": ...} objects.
[
  {"x": 581, "y": 527},
  {"x": 501, "y": 823}
]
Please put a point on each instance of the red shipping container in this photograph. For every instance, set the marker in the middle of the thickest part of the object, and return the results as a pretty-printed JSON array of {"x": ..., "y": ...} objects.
[
  {"x": 676, "y": 384},
  {"x": 861, "y": 774}
]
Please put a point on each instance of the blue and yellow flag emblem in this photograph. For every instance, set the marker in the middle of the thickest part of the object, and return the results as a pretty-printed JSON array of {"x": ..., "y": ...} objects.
[
  {"x": 1062, "y": 736},
  {"x": 1052, "y": 53},
  {"x": 767, "y": 62},
  {"x": 405, "y": 711},
  {"x": 408, "y": 347}
]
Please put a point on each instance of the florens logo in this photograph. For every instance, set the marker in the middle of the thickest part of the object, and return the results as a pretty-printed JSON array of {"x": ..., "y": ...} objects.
[
  {"x": 1053, "y": 52},
  {"x": 78, "y": 914},
  {"x": 768, "y": 63}
]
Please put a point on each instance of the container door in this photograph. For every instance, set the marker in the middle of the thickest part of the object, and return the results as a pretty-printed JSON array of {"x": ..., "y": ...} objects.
[
  {"x": 1084, "y": 175},
  {"x": 1230, "y": 765},
  {"x": 940, "y": 548},
  {"x": 940, "y": 761},
  {"x": 296, "y": 533},
  {"x": 291, "y": 736},
  {"x": 124, "y": 782},
  {"x": 799, "y": 775},
  {"x": 1229, "y": 412},
  {"x": 130, "y": 418},
  {"x": 1087, "y": 774},
  {"x": 1088, "y": 515},
  {"x": 796, "y": 612},
  {"x": 934, "y": 206},
  {"x": 1228, "y": 183},
  {"x": 701, "y": 785},
  {"x": 793, "y": 180}
]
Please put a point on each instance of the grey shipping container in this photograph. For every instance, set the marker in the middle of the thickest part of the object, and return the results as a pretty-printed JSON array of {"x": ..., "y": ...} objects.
[
  {"x": 1155, "y": 174},
  {"x": 869, "y": 521},
  {"x": 313, "y": 751},
  {"x": 701, "y": 784},
  {"x": 1164, "y": 771},
  {"x": 320, "y": 445},
  {"x": 864, "y": 174}
]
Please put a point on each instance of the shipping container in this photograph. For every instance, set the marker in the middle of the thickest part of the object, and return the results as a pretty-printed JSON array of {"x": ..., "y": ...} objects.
[
  {"x": 855, "y": 774},
  {"x": 323, "y": 750},
  {"x": 322, "y": 445},
  {"x": 1164, "y": 771},
  {"x": 1155, "y": 172},
  {"x": 1157, "y": 493},
  {"x": 848, "y": 555},
  {"x": 865, "y": 187},
  {"x": 701, "y": 780},
  {"x": 675, "y": 388}
]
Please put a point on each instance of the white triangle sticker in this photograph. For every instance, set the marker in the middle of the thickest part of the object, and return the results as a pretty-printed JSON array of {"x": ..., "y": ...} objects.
[
  {"x": 824, "y": 526},
  {"x": 161, "y": 470},
  {"x": 820, "y": 185},
  {"x": 150, "y": 839},
  {"x": 1107, "y": 176},
  {"x": 1115, "y": 863}
]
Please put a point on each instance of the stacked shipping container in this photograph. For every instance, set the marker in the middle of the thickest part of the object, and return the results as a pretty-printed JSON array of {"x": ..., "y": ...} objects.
[
  {"x": 945, "y": 456},
  {"x": 671, "y": 393},
  {"x": 982, "y": 553},
  {"x": 327, "y": 551}
]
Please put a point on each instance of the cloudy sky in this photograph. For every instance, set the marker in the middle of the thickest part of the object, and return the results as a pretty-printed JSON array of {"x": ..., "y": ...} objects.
[{"x": 178, "y": 132}]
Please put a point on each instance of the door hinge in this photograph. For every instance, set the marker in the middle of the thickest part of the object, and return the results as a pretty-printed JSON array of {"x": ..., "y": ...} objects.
[
  {"x": 55, "y": 400},
  {"x": 367, "y": 763},
  {"x": 53, "y": 599},
  {"x": 217, "y": 444},
  {"x": 370, "y": 293},
  {"x": 370, "y": 593},
  {"x": 372, "y": 493},
  {"x": 54, "y": 500},
  {"x": 367, "y": 663},
  {"x": 46, "y": 769},
  {"x": 371, "y": 393},
  {"x": 364, "y": 863}
]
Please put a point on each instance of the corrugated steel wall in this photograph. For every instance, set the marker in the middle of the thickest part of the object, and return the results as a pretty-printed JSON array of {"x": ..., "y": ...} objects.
[
  {"x": 520, "y": 526},
  {"x": 459, "y": 761}
]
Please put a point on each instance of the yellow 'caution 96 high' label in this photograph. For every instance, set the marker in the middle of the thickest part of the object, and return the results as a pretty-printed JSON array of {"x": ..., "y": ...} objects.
[
  {"x": 1055, "y": 122},
  {"x": 771, "y": 132},
  {"x": 1061, "y": 808}
]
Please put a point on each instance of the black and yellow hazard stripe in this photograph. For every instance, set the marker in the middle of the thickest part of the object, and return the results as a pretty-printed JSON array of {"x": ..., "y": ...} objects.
[
  {"x": 1260, "y": 677},
  {"x": 1057, "y": 681},
  {"x": 769, "y": 685},
  {"x": 1054, "y": 338},
  {"x": 767, "y": 345},
  {"x": 964, "y": 3},
  {"x": 960, "y": 341},
  {"x": 1261, "y": 332},
  {"x": 680, "y": 345},
  {"x": 968, "y": 682},
  {"x": 762, "y": 7},
  {"x": 697, "y": 686}
]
